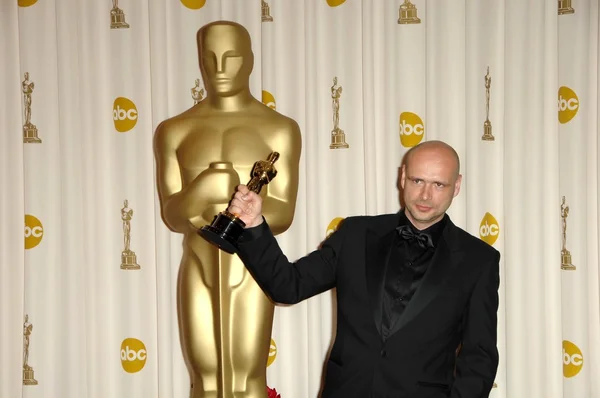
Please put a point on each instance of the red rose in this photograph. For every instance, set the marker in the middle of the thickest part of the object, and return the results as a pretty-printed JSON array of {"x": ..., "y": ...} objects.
[{"x": 273, "y": 393}]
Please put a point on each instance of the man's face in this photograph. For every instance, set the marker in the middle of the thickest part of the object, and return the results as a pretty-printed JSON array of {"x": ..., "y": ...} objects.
[
  {"x": 430, "y": 182},
  {"x": 225, "y": 60}
]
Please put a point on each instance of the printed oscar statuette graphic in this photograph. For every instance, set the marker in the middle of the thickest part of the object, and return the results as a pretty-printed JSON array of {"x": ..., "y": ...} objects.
[
  {"x": 128, "y": 257},
  {"x": 338, "y": 137},
  {"x": 226, "y": 228},
  {"x": 407, "y": 13},
  {"x": 487, "y": 125},
  {"x": 28, "y": 379},
  {"x": 564, "y": 7},
  {"x": 30, "y": 131},
  {"x": 266, "y": 12},
  {"x": 117, "y": 17},
  {"x": 197, "y": 92},
  {"x": 565, "y": 255}
]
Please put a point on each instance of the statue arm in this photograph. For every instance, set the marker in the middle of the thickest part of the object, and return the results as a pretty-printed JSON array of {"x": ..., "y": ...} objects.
[
  {"x": 180, "y": 206},
  {"x": 280, "y": 200}
]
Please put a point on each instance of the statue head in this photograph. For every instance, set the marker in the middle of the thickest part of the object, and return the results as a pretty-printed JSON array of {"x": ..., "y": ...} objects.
[{"x": 225, "y": 57}]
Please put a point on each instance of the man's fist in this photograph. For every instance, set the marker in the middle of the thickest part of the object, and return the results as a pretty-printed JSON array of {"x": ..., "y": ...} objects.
[{"x": 247, "y": 205}]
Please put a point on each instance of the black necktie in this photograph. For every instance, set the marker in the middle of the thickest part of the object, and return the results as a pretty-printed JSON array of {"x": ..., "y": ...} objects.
[{"x": 421, "y": 238}]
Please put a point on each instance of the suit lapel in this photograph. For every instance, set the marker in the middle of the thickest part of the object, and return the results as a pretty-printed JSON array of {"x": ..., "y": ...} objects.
[{"x": 443, "y": 264}]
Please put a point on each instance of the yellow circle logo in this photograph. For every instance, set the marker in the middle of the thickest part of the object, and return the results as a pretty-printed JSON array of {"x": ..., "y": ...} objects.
[
  {"x": 125, "y": 114},
  {"x": 489, "y": 229},
  {"x": 333, "y": 226},
  {"x": 411, "y": 129},
  {"x": 568, "y": 104},
  {"x": 133, "y": 355},
  {"x": 34, "y": 231},
  {"x": 268, "y": 99},
  {"x": 194, "y": 4},
  {"x": 272, "y": 353},
  {"x": 335, "y": 3},
  {"x": 26, "y": 3},
  {"x": 572, "y": 359}
]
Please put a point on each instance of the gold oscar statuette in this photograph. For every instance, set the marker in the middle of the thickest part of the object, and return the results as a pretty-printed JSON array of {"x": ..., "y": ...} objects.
[
  {"x": 226, "y": 228},
  {"x": 197, "y": 92},
  {"x": 565, "y": 255},
  {"x": 266, "y": 12},
  {"x": 128, "y": 257},
  {"x": 338, "y": 137},
  {"x": 202, "y": 154},
  {"x": 487, "y": 125},
  {"x": 117, "y": 17},
  {"x": 564, "y": 7},
  {"x": 28, "y": 377},
  {"x": 407, "y": 13},
  {"x": 30, "y": 131}
]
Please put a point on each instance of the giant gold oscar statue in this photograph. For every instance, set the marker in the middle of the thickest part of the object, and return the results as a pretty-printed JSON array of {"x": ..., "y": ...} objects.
[{"x": 202, "y": 154}]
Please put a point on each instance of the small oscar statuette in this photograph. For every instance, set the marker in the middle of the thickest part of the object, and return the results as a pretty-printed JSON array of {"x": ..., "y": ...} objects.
[
  {"x": 565, "y": 255},
  {"x": 117, "y": 17},
  {"x": 226, "y": 228},
  {"x": 197, "y": 92},
  {"x": 30, "y": 131},
  {"x": 28, "y": 377},
  {"x": 407, "y": 13},
  {"x": 338, "y": 137},
  {"x": 128, "y": 257},
  {"x": 564, "y": 7},
  {"x": 487, "y": 125},
  {"x": 266, "y": 12}
]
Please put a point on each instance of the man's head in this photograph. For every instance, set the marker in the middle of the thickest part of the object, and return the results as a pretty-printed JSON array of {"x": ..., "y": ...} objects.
[
  {"x": 226, "y": 58},
  {"x": 430, "y": 180}
]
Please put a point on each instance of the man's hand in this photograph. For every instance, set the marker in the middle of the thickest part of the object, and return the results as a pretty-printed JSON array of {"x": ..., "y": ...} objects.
[{"x": 247, "y": 205}]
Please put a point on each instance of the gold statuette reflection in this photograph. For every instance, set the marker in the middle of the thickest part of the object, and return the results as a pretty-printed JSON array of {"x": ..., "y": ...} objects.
[
  {"x": 197, "y": 92},
  {"x": 266, "y": 12},
  {"x": 565, "y": 255},
  {"x": 128, "y": 257},
  {"x": 487, "y": 125},
  {"x": 28, "y": 377},
  {"x": 407, "y": 13},
  {"x": 338, "y": 137},
  {"x": 202, "y": 154},
  {"x": 30, "y": 131},
  {"x": 117, "y": 17},
  {"x": 564, "y": 7}
]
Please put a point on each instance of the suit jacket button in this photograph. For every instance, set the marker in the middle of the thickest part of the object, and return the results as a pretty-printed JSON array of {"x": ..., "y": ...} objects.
[{"x": 383, "y": 353}]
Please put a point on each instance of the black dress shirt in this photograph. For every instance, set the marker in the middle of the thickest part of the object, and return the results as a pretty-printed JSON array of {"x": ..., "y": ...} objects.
[{"x": 406, "y": 267}]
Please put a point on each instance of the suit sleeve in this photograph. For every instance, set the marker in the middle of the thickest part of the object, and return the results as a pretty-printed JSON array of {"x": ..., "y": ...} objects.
[
  {"x": 286, "y": 282},
  {"x": 477, "y": 361}
]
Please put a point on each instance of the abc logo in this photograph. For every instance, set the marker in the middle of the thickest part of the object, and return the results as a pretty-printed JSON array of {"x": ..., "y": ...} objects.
[
  {"x": 335, "y": 3},
  {"x": 268, "y": 99},
  {"x": 34, "y": 231},
  {"x": 133, "y": 355},
  {"x": 27, "y": 3},
  {"x": 272, "y": 353},
  {"x": 568, "y": 104},
  {"x": 193, "y": 4},
  {"x": 333, "y": 226},
  {"x": 411, "y": 129},
  {"x": 125, "y": 114},
  {"x": 572, "y": 359},
  {"x": 489, "y": 229}
]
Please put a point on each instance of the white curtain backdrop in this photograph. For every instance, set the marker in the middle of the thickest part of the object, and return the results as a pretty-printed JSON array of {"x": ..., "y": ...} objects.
[{"x": 97, "y": 94}]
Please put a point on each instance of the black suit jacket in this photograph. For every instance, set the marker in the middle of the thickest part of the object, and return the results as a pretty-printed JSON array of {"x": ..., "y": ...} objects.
[{"x": 456, "y": 304}]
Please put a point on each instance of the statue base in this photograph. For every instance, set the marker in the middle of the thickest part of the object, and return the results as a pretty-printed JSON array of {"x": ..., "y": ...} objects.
[
  {"x": 28, "y": 379},
  {"x": 129, "y": 260},
  {"x": 338, "y": 139},
  {"x": 224, "y": 231},
  {"x": 487, "y": 131},
  {"x": 30, "y": 134},
  {"x": 267, "y": 18},
  {"x": 117, "y": 19},
  {"x": 566, "y": 261},
  {"x": 408, "y": 16}
]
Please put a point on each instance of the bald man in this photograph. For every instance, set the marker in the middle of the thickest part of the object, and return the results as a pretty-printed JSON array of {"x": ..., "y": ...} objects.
[{"x": 417, "y": 296}]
